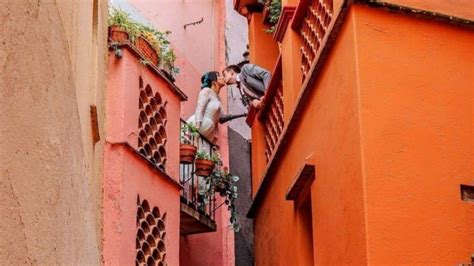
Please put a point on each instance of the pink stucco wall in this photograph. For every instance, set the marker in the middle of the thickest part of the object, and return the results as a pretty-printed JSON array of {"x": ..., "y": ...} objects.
[
  {"x": 122, "y": 107},
  {"x": 199, "y": 48},
  {"x": 126, "y": 174}
]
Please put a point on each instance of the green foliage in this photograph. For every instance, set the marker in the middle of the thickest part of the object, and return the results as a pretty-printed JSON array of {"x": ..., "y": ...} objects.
[
  {"x": 204, "y": 155},
  {"x": 187, "y": 132},
  {"x": 215, "y": 157},
  {"x": 225, "y": 184},
  {"x": 158, "y": 40},
  {"x": 274, "y": 10},
  {"x": 122, "y": 19}
]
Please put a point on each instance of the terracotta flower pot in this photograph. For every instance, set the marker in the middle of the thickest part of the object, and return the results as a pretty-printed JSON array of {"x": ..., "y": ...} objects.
[
  {"x": 118, "y": 34},
  {"x": 204, "y": 167},
  {"x": 147, "y": 50},
  {"x": 187, "y": 152}
]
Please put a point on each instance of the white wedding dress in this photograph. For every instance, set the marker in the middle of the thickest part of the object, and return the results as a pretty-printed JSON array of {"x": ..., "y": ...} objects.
[{"x": 208, "y": 111}]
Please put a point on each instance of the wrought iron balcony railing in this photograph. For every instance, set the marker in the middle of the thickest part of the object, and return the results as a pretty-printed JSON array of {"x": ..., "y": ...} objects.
[{"x": 197, "y": 209}]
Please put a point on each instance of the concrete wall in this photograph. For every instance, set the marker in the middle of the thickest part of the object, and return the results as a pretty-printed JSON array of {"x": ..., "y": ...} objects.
[
  {"x": 52, "y": 58},
  {"x": 239, "y": 157}
]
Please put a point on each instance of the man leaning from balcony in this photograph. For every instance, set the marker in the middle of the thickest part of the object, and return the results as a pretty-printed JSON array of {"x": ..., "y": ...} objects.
[{"x": 252, "y": 81}]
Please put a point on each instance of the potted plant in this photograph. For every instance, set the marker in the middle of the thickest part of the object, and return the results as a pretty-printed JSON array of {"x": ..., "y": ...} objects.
[
  {"x": 152, "y": 44},
  {"x": 121, "y": 27},
  {"x": 187, "y": 151},
  {"x": 205, "y": 163},
  {"x": 148, "y": 44}
]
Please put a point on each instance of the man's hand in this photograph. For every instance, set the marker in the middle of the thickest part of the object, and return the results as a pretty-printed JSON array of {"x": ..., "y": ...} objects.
[{"x": 257, "y": 104}]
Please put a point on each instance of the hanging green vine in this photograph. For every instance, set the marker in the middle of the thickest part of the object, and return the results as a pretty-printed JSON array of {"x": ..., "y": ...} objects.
[
  {"x": 225, "y": 184},
  {"x": 274, "y": 11}
]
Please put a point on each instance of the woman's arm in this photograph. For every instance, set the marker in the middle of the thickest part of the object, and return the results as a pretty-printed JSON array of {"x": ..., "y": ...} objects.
[{"x": 203, "y": 99}]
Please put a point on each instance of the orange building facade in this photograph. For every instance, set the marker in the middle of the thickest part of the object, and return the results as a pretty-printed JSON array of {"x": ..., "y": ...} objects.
[{"x": 363, "y": 152}]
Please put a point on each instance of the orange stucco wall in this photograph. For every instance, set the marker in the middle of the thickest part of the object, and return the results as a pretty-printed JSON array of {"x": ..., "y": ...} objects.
[
  {"x": 388, "y": 126},
  {"x": 416, "y": 107},
  {"x": 263, "y": 49},
  {"x": 126, "y": 174},
  {"x": 329, "y": 133},
  {"x": 458, "y": 8}
]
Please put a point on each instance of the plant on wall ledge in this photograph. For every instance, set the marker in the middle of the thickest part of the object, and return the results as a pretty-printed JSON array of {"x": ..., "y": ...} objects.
[
  {"x": 274, "y": 10},
  {"x": 123, "y": 28}
]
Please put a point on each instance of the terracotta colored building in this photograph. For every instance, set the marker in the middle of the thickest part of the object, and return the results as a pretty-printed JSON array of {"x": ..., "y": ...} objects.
[
  {"x": 53, "y": 69},
  {"x": 94, "y": 177},
  {"x": 141, "y": 160},
  {"x": 363, "y": 152}
]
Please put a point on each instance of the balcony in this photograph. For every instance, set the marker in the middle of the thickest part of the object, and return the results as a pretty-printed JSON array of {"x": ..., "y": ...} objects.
[
  {"x": 314, "y": 20},
  {"x": 271, "y": 116},
  {"x": 197, "y": 211}
]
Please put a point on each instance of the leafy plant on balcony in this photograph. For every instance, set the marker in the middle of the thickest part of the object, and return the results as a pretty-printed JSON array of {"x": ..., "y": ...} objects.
[
  {"x": 274, "y": 10},
  {"x": 224, "y": 183},
  {"x": 214, "y": 157},
  {"x": 188, "y": 131},
  {"x": 205, "y": 163},
  {"x": 187, "y": 151}
]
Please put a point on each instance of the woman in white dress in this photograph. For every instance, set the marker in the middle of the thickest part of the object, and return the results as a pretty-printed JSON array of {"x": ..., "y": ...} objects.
[{"x": 209, "y": 108}]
